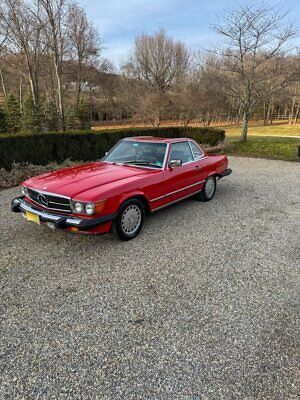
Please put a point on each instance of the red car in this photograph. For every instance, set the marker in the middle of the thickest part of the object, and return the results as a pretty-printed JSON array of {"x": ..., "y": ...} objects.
[{"x": 137, "y": 176}]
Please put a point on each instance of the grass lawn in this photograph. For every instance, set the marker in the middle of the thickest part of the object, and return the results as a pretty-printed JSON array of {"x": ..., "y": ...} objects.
[
  {"x": 279, "y": 129},
  {"x": 264, "y": 141},
  {"x": 264, "y": 147}
]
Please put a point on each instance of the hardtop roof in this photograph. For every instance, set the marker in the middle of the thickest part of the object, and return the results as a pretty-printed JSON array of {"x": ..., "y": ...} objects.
[{"x": 156, "y": 139}]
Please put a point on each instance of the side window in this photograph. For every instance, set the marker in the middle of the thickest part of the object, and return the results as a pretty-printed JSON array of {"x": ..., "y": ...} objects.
[
  {"x": 198, "y": 153},
  {"x": 181, "y": 151}
]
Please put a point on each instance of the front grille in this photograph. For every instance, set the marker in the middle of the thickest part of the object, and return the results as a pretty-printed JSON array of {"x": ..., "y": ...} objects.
[{"x": 50, "y": 201}]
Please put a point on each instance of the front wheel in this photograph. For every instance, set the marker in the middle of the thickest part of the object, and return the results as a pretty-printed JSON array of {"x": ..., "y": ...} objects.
[
  {"x": 209, "y": 189},
  {"x": 130, "y": 219}
]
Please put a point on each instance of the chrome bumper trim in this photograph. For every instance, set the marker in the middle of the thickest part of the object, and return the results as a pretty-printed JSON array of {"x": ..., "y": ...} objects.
[{"x": 61, "y": 221}]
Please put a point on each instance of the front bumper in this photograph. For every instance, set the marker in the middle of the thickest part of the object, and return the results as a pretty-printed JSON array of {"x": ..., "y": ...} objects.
[{"x": 60, "y": 221}]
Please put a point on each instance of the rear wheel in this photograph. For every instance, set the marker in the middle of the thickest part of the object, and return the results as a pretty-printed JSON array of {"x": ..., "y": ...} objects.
[
  {"x": 209, "y": 189},
  {"x": 129, "y": 220}
]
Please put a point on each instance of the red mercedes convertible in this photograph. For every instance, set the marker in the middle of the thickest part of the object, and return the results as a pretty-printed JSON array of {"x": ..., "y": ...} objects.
[{"x": 139, "y": 175}]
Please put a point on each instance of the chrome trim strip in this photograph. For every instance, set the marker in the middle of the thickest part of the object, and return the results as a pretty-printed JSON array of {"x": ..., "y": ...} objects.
[
  {"x": 189, "y": 142},
  {"x": 176, "y": 191},
  {"x": 60, "y": 204},
  {"x": 133, "y": 165},
  {"x": 74, "y": 221},
  {"x": 50, "y": 194},
  {"x": 166, "y": 156},
  {"x": 25, "y": 207},
  {"x": 175, "y": 201},
  {"x": 141, "y": 166}
]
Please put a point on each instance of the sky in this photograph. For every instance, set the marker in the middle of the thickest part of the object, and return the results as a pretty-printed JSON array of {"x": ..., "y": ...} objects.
[{"x": 120, "y": 21}]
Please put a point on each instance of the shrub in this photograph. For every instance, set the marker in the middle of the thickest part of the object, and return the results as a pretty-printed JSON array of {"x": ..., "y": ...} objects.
[{"x": 43, "y": 148}]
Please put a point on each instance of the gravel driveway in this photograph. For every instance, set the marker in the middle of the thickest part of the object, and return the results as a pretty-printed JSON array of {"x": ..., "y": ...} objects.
[{"x": 204, "y": 304}]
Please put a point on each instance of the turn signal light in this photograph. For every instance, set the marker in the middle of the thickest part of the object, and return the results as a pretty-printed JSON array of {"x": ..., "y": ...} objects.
[{"x": 99, "y": 206}]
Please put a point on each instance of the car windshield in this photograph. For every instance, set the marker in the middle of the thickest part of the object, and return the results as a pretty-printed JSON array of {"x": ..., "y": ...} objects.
[{"x": 138, "y": 153}]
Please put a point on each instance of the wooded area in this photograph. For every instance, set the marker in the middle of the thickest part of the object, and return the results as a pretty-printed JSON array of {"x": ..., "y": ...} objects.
[{"x": 53, "y": 76}]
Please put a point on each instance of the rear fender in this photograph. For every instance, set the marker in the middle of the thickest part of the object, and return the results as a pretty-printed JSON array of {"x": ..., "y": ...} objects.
[{"x": 212, "y": 173}]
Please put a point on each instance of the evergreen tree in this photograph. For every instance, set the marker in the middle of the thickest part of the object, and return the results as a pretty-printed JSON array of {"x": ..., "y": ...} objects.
[
  {"x": 83, "y": 114},
  {"x": 31, "y": 120},
  {"x": 52, "y": 117},
  {"x": 3, "y": 127},
  {"x": 70, "y": 119},
  {"x": 12, "y": 114}
]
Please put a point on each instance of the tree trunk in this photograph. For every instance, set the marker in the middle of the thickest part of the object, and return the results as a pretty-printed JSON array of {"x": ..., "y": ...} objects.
[
  {"x": 60, "y": 96},
  {"x": 245, "y": 126},
  {"x": 3, "y": 83},
  {"x": 265, "y": 114},
  {"x": 79, "y": 80},
  {"x": 297, "y": 114},
  {"x": 292, "y": 111},
  {"x": 33, "y": 80},
  {"x": 21, "y": 95},
  {"x": 157, "y": 121},
  {"x": 239, "y": 114}
]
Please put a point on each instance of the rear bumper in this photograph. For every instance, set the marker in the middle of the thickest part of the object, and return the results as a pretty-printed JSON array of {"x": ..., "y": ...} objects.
[
  {"x": 60, "y": 221},
  {"x": 227, "y": 172}
]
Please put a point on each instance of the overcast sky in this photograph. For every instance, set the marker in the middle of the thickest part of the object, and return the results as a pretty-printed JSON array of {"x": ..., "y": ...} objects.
[{"x": 119, "y": 21}]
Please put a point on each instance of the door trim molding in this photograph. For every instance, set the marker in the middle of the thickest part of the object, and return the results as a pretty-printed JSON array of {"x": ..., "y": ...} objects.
[{"x": 177, "y": 191}]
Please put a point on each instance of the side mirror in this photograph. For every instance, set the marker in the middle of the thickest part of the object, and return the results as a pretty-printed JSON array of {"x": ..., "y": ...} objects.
[{"x": 175, "y": 163}]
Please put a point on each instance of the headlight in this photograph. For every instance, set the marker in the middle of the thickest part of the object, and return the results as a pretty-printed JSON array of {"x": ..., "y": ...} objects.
[
  {"x": 90, "y": 208},
  {"x": 78, "y": 207},
  {"x": 24, "y": 190}
]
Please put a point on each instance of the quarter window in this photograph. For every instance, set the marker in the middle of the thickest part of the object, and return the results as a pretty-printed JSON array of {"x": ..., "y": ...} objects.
[
  {"x": 198, "y": 153},
  {"x": 181, "y": 151}
]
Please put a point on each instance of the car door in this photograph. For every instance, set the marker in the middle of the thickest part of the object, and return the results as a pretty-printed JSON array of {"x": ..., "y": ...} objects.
[{"x": 179, "y": 181}]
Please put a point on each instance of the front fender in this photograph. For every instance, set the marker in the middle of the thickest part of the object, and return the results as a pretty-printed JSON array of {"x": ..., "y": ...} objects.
[{"x": 130, "y": 195}]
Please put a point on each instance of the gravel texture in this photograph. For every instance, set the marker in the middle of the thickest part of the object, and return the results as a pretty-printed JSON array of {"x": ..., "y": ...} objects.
[{"x": 204, "y": 304}]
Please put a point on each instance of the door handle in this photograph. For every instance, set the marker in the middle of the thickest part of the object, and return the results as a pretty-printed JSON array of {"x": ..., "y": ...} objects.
[{"x": 198, "y": 167}]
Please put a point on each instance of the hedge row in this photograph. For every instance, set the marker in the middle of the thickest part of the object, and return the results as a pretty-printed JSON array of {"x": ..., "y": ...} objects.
[{"x": 43, "y": 148}]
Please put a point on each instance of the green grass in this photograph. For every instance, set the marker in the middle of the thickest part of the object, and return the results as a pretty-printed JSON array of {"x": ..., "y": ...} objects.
[
  {"x": 264, "y": 147},
  {"x": 279, "y": 129}
]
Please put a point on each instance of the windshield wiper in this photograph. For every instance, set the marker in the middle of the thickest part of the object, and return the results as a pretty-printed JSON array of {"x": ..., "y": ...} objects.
[{"x": 141, "y": 162}]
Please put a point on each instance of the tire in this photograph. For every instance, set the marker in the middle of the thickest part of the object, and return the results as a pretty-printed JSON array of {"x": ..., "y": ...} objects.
[
  {"x": 209, "y": 189},
  {"x": 130, "y": 219}
]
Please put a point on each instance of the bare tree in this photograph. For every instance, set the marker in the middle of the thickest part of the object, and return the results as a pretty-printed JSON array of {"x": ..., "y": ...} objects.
[
  {"x": 53, "y": 15},
  {"x": 23, "y": 37},
  {"x": 253, "y": 62},
  {"x": 3, "y": 40},
  {"x": 84, "y": 42},
  {"x": 160, "y": 62}
]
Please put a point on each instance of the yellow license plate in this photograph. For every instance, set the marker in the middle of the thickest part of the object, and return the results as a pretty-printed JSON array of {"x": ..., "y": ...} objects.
[{"x": 33, "y": 217}]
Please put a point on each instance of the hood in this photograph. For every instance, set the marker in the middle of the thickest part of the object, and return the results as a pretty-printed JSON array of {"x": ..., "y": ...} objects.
[{"x": 72, "y": 181}]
